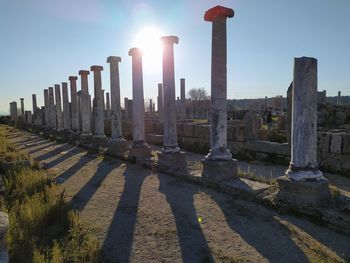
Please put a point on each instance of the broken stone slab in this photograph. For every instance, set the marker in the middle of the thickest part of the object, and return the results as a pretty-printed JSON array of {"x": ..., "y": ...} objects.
[
  {"x": 172, "y": 163},
  {"x": 314, "y": 193},
  {"x": 244, "y": 186},
  {"x": 218, "y": 170}
]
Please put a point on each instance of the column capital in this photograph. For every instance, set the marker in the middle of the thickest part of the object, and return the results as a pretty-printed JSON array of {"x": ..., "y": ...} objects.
[
  {"x": 114, "y": 59},
  {"x": 64, "y": 83},
  {"x": 169, "y": 39},
  {"x": 57, "y": 85},
  {"x": 84, "y": 72},
  {"x": 21, "y": 98},
  {"x": 96, "y": 68},
  {"x": 71, "y": 78},
  {"x": 135, "y": 52},
  {"x": 218, "y": 13}
]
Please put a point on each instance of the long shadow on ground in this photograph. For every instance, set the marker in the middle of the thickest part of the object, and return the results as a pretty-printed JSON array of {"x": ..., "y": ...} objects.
[
  {"x": 118, "y": 242},
  {"x": 194, "y": 246},
  {"x": 70, "y": 153},
  {"x": 54, "y": 151}
]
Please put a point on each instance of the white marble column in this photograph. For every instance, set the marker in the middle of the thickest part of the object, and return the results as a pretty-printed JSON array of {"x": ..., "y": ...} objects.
[
  {"x": 98, "y": 103},
  {"x": 183, "y": 99},
  {"x": 116, "y": 117},
  {"x": 74, "y": 103},
  {"x": 218, "y": 112},
  {"x": 66, "y": 108},
  {"x": 52, "y": 111},
  {"x": 303, "y": 165},
  {"x": 170, "y": 134},
  {"x": 22, "y": 108},
  {"x": 160, "y": 102},
  {"x": 85, "y": 103},
  {"x": 47, "y": 108},
  {"x": 58, "y": 107},
  {"x": 138, "y": 104}
]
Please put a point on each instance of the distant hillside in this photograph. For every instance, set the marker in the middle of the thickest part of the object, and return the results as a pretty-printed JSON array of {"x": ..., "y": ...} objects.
[{"x": 4, "y": 113}]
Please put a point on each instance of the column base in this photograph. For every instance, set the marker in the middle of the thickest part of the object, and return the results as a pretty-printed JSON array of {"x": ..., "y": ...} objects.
[
  {"x": 139, "y": 151},
  {"x": 305, "y": 176},
  {"x": 220, "y": 154},
  {"x": 172, "y": 163},
  {"x": 219, "y": 170},
  {"x": 85, "y": 138},
  {"x": 170, "y": 149},
  {"x": 303, "y": 193},
  {"x": 74, "y": 137},
  {"x": 117, "y": 147}
]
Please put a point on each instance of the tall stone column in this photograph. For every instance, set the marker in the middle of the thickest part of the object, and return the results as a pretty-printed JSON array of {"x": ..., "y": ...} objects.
[
  {"x": 218, "y": 164},
  {"x": 74, "y": 103},
  {"x": 85, "y": 104},
  {"x": 339, "y": 98},
  {"x": 304, "y": 181},
  {"x": 117, "y": 144},
  {"x": 160, "y": 102},
  {"x": 183, "y": 99},
  {"x": 46, "y": 108},
  {"x": 52, "y": 111},
  {"x": 34, "y": 105},
  {"x": 13, "y": 111},
  {"x": 98, "y": 103},
  {"x": 170, "y": 160},
  {"x": 22, "y": 107},
  {"x": 66, "y": 108},
  {"x": 108, "y": 107},
  {"x": 58, "y": 107},
  {"x": 139, "y": 148}
]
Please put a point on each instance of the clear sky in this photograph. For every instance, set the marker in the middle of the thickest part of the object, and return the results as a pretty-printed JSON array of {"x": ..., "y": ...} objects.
[{"x": 43, "y": 42}]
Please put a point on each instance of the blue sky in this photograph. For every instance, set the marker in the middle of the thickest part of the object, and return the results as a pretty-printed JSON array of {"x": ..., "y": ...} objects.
[{"x": 43, "y": 42}]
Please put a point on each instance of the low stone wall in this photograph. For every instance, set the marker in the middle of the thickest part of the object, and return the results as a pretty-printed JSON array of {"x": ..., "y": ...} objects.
[{"x": 333, "y": 148}]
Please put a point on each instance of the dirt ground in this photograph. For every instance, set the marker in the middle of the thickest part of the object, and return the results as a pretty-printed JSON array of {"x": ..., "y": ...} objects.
[{"x": 142, "y": 216}]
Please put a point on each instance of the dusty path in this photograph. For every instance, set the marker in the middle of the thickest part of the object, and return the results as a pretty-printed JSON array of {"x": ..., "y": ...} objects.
[{"x": 140, "y": 216}]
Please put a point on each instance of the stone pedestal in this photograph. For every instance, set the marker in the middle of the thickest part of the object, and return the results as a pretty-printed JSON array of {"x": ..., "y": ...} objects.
[
  {"x": 303, "y": 193},
  {"x": 219, "y": 170},
  {"x": 117, "y": 148},
  {"x": 139, "y": 151},
  {"x": 172, "y": 163}
]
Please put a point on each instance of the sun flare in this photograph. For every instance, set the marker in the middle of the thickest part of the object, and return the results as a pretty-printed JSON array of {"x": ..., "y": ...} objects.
[{"x": 148, "y": 39}]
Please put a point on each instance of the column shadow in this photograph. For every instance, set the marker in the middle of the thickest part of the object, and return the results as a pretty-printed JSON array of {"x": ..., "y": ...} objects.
[
  {"x": 118, "y": 242},
  {"x": 194, "y": 246},
  {"x": 81, "y": 198},
  {"x": 41, "y": 148},
  {"x": 62, "y": 158},
  {"x": 275, "y": 246},
  {"x": 55, "y": 151}
]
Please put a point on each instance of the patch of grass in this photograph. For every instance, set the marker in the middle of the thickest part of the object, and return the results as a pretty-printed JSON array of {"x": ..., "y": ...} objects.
[{"x": 254, "y": 177}]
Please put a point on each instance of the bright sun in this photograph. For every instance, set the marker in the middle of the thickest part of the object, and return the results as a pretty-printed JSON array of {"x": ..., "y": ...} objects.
[{"x": 148, "y": 39}]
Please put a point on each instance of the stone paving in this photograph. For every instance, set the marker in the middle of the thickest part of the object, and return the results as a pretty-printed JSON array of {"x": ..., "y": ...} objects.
[{"x": 140, "y": 215}]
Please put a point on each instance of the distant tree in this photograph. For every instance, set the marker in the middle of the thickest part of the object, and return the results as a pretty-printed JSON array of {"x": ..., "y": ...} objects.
[{"x": 198, "y": 94}]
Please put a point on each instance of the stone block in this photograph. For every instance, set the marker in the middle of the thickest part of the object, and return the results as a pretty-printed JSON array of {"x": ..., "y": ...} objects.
[
  {"x": 235, "y": 147},
  {"x": 117, "y": 148},
  {"x": 140, "y": 153},
  {"x": 263, "y": 134},
  {"x": 219, "y": 171},
  {"x": 202, "y": 131},
  {"x": 323, "y": 142},
  {"x": 239, "y": 133},
  {"x": 336, "y": 143},
  {"x": 261, "y": 146},
  {"x": 231, "y": 133},
  {"x": 346, "y": 143},
  {"x": 188, "y": 130},
  {"x": 155, "y": 139},
  {"x": 172, "y": 163},
  {"x": 303, "y": 193},
  {"x": 283, "y": 149}
]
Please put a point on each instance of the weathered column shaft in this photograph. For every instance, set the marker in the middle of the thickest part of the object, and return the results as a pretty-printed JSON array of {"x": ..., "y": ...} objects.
[
  {"x": 138, "y": 104},
  {"x": 170, "y": 132},
  {"x": 34, "y": 105},
  {"x": 116, "y": 116},
  {"x": 160, "y": 102},
  {"x": 339, "y": 98},
  {"x": 98, "y": 102},
  {"x": 58, "y": 107},
  {"x": 183, "y": 99},
  {"x": 52, "y": 109},
  {"x": 47, "y": 107},
  {"x": 74, "y": 103},
  {"x": 22, "y": 107},
  {"x": 108, "y": 107},
  {"x": 66, "y": 108},
  {"x": 85, "y": 104}
]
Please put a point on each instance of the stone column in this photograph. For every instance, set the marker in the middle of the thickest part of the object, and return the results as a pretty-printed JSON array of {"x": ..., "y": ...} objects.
[
  {"x": 218, "y": 164},
  {"x": 150, "y": 107},
  {"x": 108, "y": 107},
  {"x": 170, "y": 160},
  {"x": 52, "y": 111},
  {"x": 13, "y": 111},
  {"x": 339, "y": 98},
  {"x": 289, "y": 112},
  {"x": 303, "y": 181},
  {"x": 85, "y": 104},
  {"x": 74, "y": 103},
  {"x": 58, "y": 107},
  {"x": 160, "y": 102},
  {"x": 183, "y": 99},
  {"x": 34, "y": 105},
  {"x": 98, "y": 103},
  {"x": 66, "y": 108},
  {"x": 46, "y": 107},
  {"x": 117, "y": 144},
  {"x": 139, "y": 148},
  {"x": 22, "y": 107}
]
